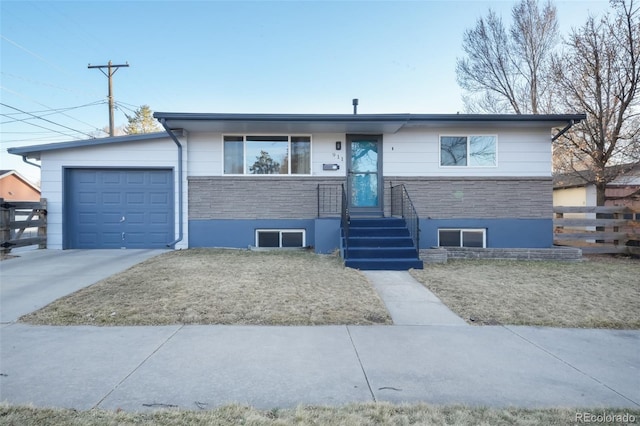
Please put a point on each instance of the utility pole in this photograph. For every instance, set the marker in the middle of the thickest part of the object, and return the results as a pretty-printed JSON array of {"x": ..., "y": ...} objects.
[{"x": 111, "y": 70}]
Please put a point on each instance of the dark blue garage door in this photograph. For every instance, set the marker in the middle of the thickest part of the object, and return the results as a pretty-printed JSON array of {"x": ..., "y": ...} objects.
[{"x": 118, "y": 208}]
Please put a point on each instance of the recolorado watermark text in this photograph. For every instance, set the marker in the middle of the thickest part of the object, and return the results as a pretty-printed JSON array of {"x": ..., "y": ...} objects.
[{"x": 604, "y": 417}]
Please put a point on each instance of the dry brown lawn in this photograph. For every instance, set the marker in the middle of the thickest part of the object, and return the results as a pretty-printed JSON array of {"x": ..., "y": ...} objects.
[
  {"x": 348, "y": 415},
  {"x": 209, "y": 286},
  {"x": 602, "y": 292}
]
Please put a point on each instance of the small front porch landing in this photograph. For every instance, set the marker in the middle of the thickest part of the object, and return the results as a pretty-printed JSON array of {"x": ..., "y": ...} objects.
[{"x": 380, "y": 244}]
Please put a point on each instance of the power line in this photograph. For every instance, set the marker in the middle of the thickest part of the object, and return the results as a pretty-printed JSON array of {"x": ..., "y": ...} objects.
[
  {"x": 45, "y": 139},
  {"x": 48, "y": 112},
  {"x": 123, "y": 107},
  {"x": 52, "y": 109},
  {"x": 42, "y": 127},
  {"x": 41, "y": 58},
  {"x": 48, "y": 121}
]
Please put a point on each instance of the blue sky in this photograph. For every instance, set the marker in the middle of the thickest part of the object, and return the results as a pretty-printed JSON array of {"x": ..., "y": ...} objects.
[{"x": 214, "y": 56}]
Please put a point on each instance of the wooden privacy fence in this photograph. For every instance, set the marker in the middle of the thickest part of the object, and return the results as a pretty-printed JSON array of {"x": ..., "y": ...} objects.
[
  {"x": 22, "y": 223},
  {"x": 601, "y": 229}
]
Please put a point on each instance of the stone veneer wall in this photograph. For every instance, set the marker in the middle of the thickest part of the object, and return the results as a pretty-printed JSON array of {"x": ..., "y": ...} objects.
[
  {"x": 275, "y": 197},
  {"x": 263, "y": 197},
  {"x": 476, "y": 197}
]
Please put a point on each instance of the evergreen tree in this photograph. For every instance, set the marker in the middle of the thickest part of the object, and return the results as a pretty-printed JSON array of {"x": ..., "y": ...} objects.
[{"x": 142, "y": 122}]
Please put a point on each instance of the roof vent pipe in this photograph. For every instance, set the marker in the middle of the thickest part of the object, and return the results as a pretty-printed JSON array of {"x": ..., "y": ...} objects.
[{"x": 355, "y": 106}]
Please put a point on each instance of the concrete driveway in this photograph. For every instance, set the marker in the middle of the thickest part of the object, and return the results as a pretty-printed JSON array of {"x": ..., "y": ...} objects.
[{"x": 35, "y": 278}]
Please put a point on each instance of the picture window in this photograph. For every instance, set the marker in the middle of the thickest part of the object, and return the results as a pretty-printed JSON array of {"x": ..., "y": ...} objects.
[{"x": 267, "y": 155}]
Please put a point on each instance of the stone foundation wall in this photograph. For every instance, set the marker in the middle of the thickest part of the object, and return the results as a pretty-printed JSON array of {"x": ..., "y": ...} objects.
[{"x": 441, "y": 255}]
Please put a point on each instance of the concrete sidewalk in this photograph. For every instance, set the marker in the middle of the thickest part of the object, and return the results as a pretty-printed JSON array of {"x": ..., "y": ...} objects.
[
  {"x": 194, "y": 367},
  {"x": 191, "y": 367}
]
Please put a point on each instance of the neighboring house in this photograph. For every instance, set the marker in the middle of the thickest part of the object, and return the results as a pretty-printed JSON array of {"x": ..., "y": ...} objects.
[
  {"x": 239, "y": 180},
  {"x": 573, "y": 189},
  {"x": 15, "y": 187}
]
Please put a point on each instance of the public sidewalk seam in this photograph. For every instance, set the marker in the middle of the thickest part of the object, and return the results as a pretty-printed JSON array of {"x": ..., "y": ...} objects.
[
  {"x": 548, "y": 352},
  {"x": 361, "y": 366},
  {"x": 138, "y": 366}
]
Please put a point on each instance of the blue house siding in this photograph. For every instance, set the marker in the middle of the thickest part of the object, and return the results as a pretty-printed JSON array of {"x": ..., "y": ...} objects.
[
  {"x": 500, "y": 233},
  {"x": 322, "y": 234}
]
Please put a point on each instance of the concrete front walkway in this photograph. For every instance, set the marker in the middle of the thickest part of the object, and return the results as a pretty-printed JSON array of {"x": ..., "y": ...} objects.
[
  {"x": 409, "y": 302},
  {"x": 195, "y": 367}
]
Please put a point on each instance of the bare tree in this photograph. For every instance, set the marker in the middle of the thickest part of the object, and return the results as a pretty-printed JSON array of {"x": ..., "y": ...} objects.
[
  {"x": 534, "y": 35},
  {"x": 599, "y": 73},
  {"x": 509, "y": 71}
]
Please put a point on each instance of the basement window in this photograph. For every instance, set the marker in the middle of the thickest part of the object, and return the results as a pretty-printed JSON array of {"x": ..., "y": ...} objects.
[
  {"x": 280, "y": 238},
  {"x": 462, "y": 238}
]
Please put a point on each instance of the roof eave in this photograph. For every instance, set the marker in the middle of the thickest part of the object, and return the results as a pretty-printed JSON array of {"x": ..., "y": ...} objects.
[
  {"x": 34, "y": 151},
  {"x": 351, "y": 123}
]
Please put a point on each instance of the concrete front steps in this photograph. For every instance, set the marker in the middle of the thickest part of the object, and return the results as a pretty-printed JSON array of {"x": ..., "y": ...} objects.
[{"x": 381, "y": 244}]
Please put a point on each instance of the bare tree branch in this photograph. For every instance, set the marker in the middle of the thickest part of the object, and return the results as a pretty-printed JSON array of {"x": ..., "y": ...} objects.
[
  {"x": 599, "y": 73},
  {"x": 510, "y": 69}
]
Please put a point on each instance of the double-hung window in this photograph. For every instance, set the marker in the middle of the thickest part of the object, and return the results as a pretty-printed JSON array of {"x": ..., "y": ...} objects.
[
  {"x": 468, "y": 151},
  {"x": 267, "y": 155}
]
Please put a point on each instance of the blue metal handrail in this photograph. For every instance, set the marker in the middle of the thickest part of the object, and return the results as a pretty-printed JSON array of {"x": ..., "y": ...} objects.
[
  {"x": 401, "y": 205},
  {"x": 345, "y": 219},
  {"x": 329, "y": 199}
]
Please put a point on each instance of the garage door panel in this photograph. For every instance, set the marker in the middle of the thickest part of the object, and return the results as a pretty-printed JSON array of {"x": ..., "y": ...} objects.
[
  {"x": 88, "y": 237},
  {"x": 105, "y": 205},
  {"x": 157, "y": 237},
  {"x": 136, "y": 237},
  {"x": 111, "y": 198},
  {"x": 113, "y": 238},
  {"x": 134, "y": 219},
  {"x": 110, "y": 177},
  {"x": 159, "y": 178},
  {"x": 158, "y": 218},
  {"x": 86, "y": 176},
  {"x": 87, "y": 218},
  {"x": 109, "y": 219},
  {"x": 134, "y": 198},
  {"x": 136, "y": 178},
  {"x": 159, "y": 199},
  {"x": 87, "y": 198}
]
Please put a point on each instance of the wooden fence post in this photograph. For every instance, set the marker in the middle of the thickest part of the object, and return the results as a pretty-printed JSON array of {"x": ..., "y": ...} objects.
[
  {"x": 42, "y": 229},
  {"x": 5, "y": 230}
]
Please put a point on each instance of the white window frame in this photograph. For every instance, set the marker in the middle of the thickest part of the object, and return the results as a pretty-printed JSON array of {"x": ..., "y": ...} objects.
[
  {"x": 282, "y": 231},
  {"x": 244, "y": 152},
  {"x": 462, "y": 230},
  {"x": 468, "y": 136}
]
